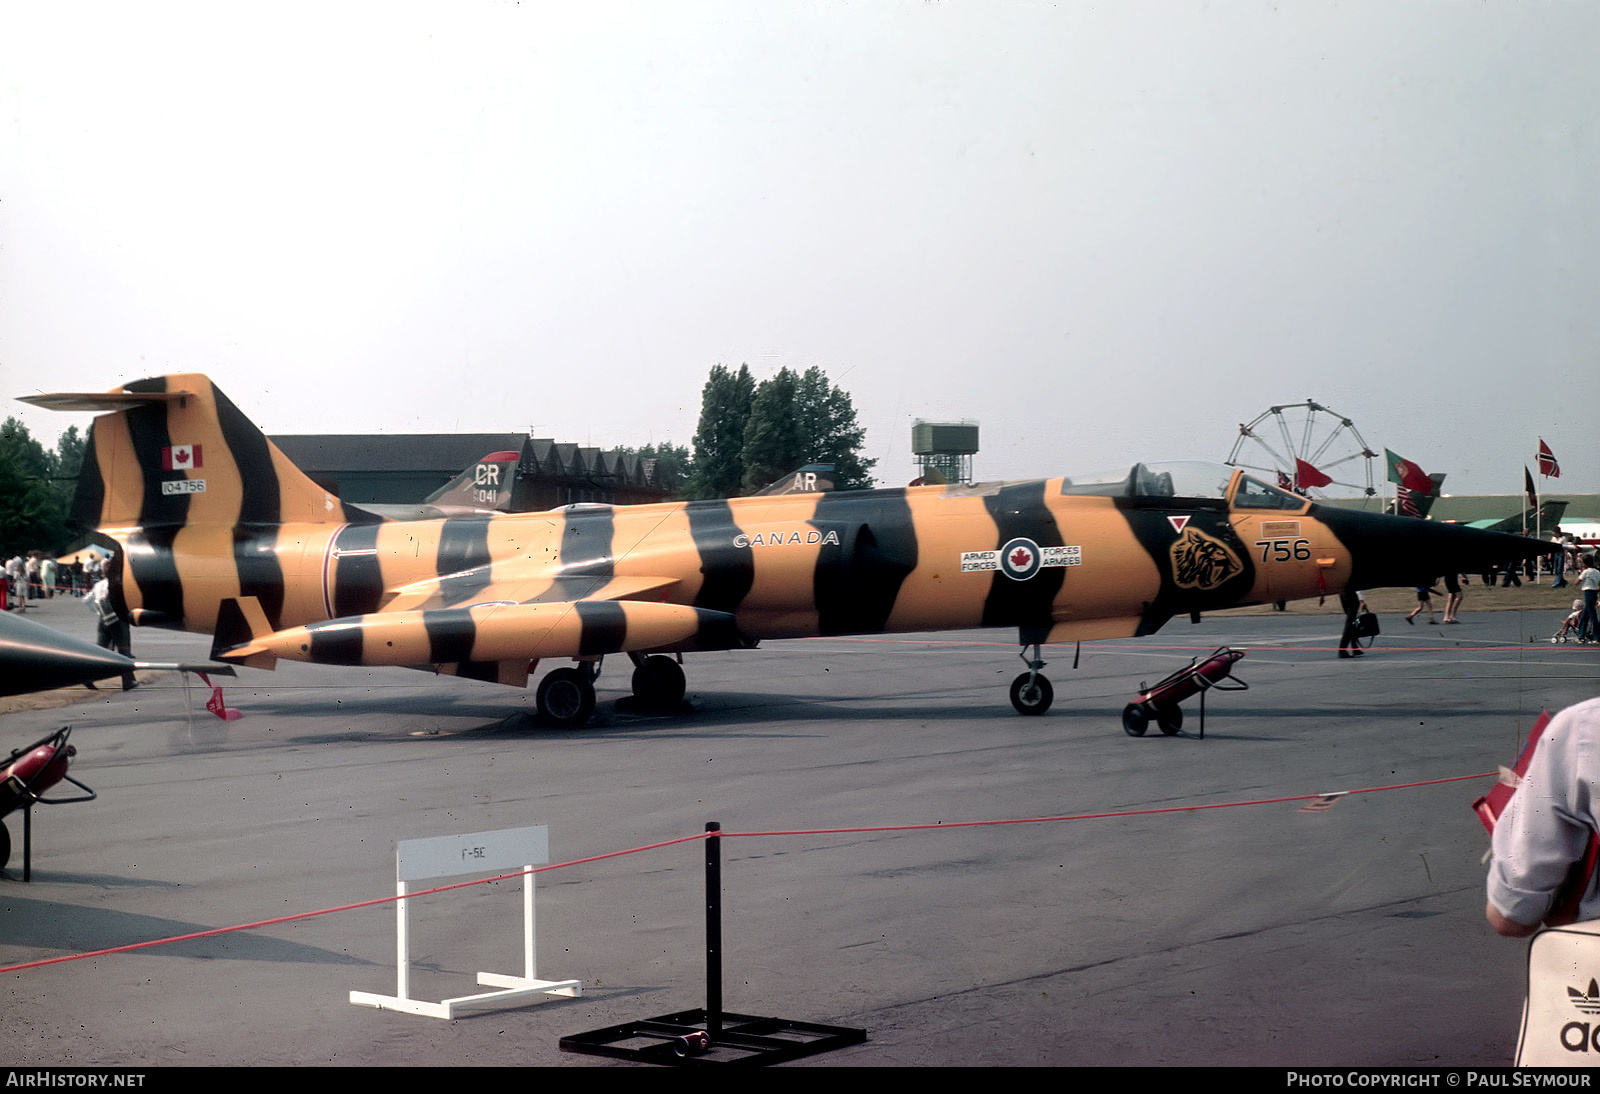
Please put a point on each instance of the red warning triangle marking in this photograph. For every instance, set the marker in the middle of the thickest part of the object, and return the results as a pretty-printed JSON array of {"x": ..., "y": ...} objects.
[{"x": 1178, "y": 522}]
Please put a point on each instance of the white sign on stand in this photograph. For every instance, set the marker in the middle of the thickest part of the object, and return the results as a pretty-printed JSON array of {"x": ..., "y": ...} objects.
[{"x": 451, "y": 856}]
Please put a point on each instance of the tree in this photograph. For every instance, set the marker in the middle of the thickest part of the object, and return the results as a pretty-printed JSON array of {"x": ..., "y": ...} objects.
[
  {"x": 773, "y": 442},
  {"x": 719, "y": 440},
  {"x": 827, "y": 419},
  {"x": 32, "y": 513},
  {"x": 65, "y": 463},
  {"x": 750, "y": 436}
]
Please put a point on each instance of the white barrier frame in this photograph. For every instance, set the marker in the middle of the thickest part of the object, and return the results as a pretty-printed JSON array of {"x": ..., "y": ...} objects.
[{"x": 450, "y": 856}]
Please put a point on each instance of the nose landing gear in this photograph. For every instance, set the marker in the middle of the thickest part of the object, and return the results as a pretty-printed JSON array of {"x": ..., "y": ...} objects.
[{"x": 1031, "y": 692}]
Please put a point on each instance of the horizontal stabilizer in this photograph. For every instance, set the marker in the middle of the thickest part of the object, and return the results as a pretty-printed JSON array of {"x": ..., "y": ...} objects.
[{"x": 102, "y": 402}]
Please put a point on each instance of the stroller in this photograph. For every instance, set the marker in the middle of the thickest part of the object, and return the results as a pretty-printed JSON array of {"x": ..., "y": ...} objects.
[{"x": 1569, "y": 625}]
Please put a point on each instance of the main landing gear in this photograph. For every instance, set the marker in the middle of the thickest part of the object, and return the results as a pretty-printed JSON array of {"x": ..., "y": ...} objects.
[
  {"x": 566, "y": 696},
  {"x": 658, "y": 681},
  {"x": 1031, "y": 692}
]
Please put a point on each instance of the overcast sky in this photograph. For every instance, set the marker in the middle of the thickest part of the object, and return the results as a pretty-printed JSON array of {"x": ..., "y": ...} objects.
[{"x": 1105, "y": 231}]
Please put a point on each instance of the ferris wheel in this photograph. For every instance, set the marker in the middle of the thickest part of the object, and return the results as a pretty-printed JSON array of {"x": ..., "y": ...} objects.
[{"x": 1309, "y": 447}]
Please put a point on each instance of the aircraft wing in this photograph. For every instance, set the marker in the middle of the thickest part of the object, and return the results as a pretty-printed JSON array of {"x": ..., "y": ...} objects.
[{"x": 504, "y": 584}]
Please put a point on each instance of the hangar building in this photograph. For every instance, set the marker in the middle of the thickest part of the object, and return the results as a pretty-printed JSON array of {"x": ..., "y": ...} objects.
[{"x": 397, "y": 468}]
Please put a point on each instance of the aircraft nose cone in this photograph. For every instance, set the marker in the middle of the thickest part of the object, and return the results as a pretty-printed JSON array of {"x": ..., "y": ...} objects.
[
  {"x": 1400, "y": 551},
  {"x": 35, "y": 658}
]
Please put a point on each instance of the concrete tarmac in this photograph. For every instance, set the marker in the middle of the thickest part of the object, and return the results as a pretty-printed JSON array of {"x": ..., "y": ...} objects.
[{"x": 1255, "y": 934}]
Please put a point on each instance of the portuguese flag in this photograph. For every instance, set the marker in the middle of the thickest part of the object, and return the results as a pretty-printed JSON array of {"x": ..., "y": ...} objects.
[{"x": 1403, "y": 472}]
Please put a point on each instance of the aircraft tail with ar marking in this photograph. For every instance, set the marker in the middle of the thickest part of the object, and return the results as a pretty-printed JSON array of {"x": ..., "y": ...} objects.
[{"x": 192, "y": 492}]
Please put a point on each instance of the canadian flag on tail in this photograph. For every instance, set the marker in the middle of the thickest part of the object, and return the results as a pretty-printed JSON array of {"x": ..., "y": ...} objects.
[{"x": 180, "y": 457}]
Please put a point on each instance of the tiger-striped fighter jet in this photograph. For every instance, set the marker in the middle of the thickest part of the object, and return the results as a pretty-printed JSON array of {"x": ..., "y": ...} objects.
[{"x": 218, "y": 532}]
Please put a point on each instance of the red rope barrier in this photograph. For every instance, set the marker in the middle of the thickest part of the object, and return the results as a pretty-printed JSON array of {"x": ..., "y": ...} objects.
[{"x": 701, "y": 835}]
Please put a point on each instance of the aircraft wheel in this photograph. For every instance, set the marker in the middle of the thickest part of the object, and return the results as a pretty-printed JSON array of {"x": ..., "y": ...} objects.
[
  {"x": 1135, "y": 719},
  {"x": 658, "y": 682},
  {"x": 5, "y": 846},
  {"x": 1032, "y": 700},
  {"x": 565, "y": 698},
  {"x": 1170, "y": 718}
]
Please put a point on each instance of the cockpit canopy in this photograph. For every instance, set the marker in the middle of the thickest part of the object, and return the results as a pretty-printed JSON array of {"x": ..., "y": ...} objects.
[{"x": 1184, "y": 479}]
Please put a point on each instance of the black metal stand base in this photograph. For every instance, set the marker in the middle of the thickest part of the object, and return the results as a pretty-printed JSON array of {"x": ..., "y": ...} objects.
[
  {"x": 712, "y": 1035},
  {"x": 743, "y": 1039}
]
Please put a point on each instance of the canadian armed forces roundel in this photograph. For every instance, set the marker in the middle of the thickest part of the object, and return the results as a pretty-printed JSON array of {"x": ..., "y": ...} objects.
[{"x": 1019, "y": 559}]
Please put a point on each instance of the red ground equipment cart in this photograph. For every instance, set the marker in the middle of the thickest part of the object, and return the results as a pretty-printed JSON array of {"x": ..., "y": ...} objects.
[
  {"x": 24, "y": 778},
  {"x": 1160, "y": 703}
]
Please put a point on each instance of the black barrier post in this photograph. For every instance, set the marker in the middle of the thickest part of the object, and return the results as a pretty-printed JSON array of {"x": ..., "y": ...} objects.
[
  {"x": 713, "y": 929},
  {"x": 709, "y": 1036}
]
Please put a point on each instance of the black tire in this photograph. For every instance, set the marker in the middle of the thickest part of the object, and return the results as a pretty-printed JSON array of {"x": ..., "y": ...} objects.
[
  {"x": 658, "y": 682},
  {"x": 1135, "y": 719},
  {"x": 1170, "y": 718},
  {"x": 1035, "y": 699},
  {"x": 5, "y": 846},
  {"x": 565, "y": 698}
]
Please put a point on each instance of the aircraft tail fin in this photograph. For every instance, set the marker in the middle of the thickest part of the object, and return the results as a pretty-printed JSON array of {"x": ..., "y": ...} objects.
[
  {"x": 240, "y": 622},
  {"x": 813, "y": 478},
  {"x": 487, "y": 484},
  {"x": 174, "y": 450}
]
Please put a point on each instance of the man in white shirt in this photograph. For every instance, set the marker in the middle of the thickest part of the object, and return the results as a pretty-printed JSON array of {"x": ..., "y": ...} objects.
[{"x": 1547, "y": 825}]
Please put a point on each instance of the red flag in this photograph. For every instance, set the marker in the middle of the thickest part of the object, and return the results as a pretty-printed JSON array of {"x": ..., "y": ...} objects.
[
  {"x": 1405, "y": 503},
  {"x": 1548, "y": 467},
  {"x": 1283, "y": 482},
  {"x": 215, "y": 704},
  {"x": 1308, "y": 476}
]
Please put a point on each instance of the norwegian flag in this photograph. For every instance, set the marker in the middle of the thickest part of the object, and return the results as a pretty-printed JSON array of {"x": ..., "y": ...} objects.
[
  {"x": 180, "y": 457},
  {"x": 1548, "y": 467}
]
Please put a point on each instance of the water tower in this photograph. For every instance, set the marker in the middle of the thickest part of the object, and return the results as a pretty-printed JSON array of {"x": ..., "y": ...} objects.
[{"x": 944, "y": 450}]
